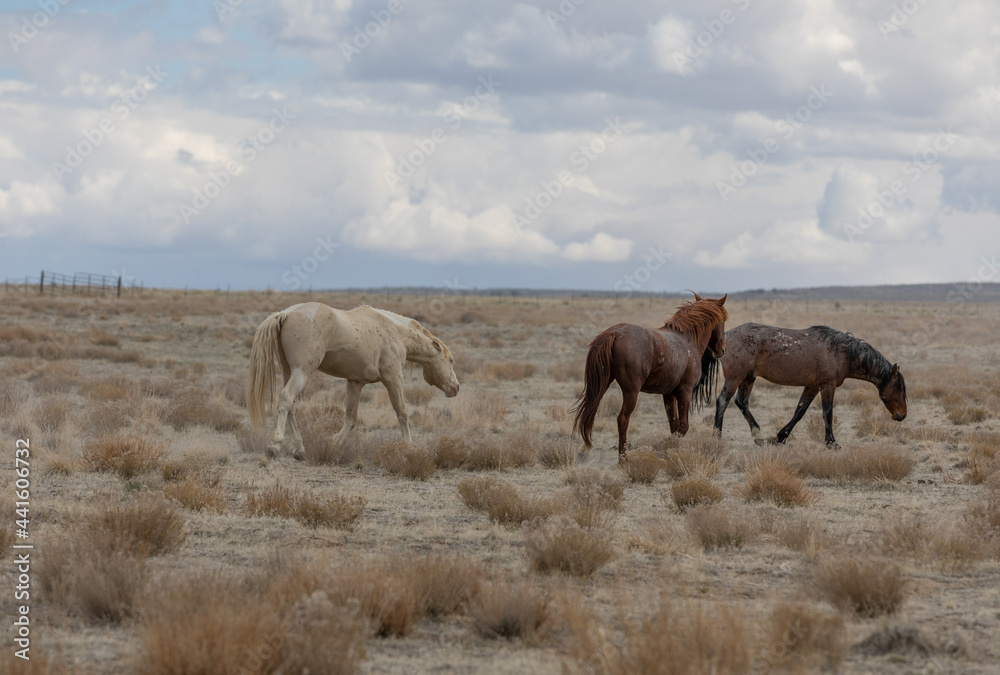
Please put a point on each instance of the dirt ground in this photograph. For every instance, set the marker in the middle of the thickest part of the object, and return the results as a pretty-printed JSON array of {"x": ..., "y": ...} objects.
[{"x": 124, "y": 367}]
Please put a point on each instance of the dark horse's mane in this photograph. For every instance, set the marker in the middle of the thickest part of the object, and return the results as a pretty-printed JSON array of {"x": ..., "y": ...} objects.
[
  {"x": 699, "y": 318},
  {"x": 860, "y": 355}
]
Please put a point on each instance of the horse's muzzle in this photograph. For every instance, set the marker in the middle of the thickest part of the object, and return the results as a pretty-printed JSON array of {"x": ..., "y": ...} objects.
[
  {"x": 453, "y": 391},
  {"x": 899, "y": 417},
  {"x": 721, "y": 353}
]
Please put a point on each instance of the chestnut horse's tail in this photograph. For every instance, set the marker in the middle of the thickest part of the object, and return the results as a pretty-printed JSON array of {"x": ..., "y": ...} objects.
[
  {"x": 260, "y": 383},
  {"x": 597, "y": 378}
]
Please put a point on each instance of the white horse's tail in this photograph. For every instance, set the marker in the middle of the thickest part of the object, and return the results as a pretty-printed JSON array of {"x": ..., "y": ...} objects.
[{"x": 260, "y": 383}]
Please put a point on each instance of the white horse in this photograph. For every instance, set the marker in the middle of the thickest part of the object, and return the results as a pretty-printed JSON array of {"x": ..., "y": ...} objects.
[{"x": 363, "y": 345}]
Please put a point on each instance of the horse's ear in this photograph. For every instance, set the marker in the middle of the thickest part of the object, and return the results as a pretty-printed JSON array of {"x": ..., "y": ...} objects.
[
  {"x": 895, "y": 369},
  {"x": 722, "y": 300},
  {"x": 697, "y": 297}
]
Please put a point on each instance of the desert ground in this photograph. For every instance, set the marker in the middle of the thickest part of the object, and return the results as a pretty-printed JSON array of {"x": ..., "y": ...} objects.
[{"x": 166, "y": 541}]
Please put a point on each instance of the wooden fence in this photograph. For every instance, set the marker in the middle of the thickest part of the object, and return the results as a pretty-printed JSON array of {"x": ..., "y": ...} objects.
[{"x": 78, "y": 283}]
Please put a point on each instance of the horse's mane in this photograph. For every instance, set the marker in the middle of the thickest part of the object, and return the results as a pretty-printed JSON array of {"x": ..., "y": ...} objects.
[
  {"x": 697, "y": 317},
  {"x": 859, "y": 354}
]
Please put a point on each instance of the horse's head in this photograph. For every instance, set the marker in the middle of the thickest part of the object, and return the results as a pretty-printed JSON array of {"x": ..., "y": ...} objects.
[
  {"x": 439, "y": 369},
  {"x": 717, "y": 340},
  {"x": 893, "y": 394}
]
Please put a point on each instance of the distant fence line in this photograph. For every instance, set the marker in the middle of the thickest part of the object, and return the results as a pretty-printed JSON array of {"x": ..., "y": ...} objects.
[{"x": 78, "y": 283}]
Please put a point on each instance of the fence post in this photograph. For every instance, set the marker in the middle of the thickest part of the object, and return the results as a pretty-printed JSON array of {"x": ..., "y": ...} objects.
[
  {"x": 119, "y": 286},
  {"x": 41, "y": 284}
]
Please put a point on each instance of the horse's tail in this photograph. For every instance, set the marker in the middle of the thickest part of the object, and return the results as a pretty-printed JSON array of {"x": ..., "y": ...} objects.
[
  {"x": 703, "y": 392},
  {"x": 260, "y": 383},
  {"x": 597, "y": 378}
]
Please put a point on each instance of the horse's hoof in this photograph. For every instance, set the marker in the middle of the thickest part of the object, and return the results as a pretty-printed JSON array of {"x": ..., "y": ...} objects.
[
  {"x": 271, "y": 453},
  {"x": 760, "y": 440},
  {"x": 833, "y": 445},
  {"x": 298, "y": 455}
]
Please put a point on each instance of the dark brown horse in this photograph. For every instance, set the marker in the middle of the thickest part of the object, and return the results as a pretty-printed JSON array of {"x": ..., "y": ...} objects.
[
  {"x": 666, "y": 361},
  {"x": 818, "y": 358}
]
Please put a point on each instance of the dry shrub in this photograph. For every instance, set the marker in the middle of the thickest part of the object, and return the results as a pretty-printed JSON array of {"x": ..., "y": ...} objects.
[
  {"x": 509, "y": 370},
  {"x": 956, "y": 551},
  {"x": 558, "y": 453},
  {"x": 385, "y": 598},
  {"x": 107, "y": 417},
  {"x": 680, "y": 462},
  {"x": 714, "y": 526},
  {"x": 51, "y": 412},
  {"x": 252, "y": 440},
  {"x": 902, "y": 533},
  {"x": 864, "y": 586},
  {"x": 801, "y": 637},
  {"x": 442, "y": 582},
  {"x": 342, "y": 513},
  {"x": 677, "y": 639},
  {"x": 450, "y": 452},
  {"x": 593, "y": 504},
  {"x": 489, "y": 406},
  {"x": 777, "y": 482},
  {"x": 90, "y": 575},
  {"x": 983, "y": 459},
  {"x": 196, "y": 495},
  {"x": 102, "y": 338},
  {"x": 878, "y": 462},
  {"x": 641, "y": 466},
  {"x": 502, "y": 452},
  {"x": 502, "y": 503},
  {"x": 418, "y": 395},
  {"x": 804, "y": 534},
  {"x": 508, "y": 610},
  {"x": 564, "y": 371},
  {"x": 398, "y": 458},
  {"x": 319, "y": 428},
  {"x": 124, "y": 454},
  {"x": 560, "y": 544},
  {"x": 875, "y": 422},
  {"x": 970, "y": 413},
  {"x": 145, "y": 525},
  {"x": 323, "y": 638},
  {"x": 111, "y": 389},
  {"x": 982, "y": 519},
  {"x": 194, "y": 407},
  {"x": 22, "y": 424},
  {"x": 609, "y": 484},
  {"x": 694, "y": 490},
  {"x": 12, "y": 397}
]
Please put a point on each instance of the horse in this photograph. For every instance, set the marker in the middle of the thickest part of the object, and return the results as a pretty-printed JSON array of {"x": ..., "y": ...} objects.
[
  {"x": 667, "y": 361},
  {"x": 363, "y": 345},
  {"x": 819, "y": 359}
]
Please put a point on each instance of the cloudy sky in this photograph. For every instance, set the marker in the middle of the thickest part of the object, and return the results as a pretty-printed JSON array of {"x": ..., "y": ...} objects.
[{"x": 718, "y": 145}]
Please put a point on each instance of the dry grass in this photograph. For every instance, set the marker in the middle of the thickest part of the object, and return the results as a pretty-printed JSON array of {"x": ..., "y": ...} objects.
[
  {"x": 558, "y": 453},
  {"x": 387, "y": 599},
  {"x": 7, "y": 539},
  {"x": 145, "y": 525},
  {"x": 501, "y": 452},
  {"x": 252, "y": 441},
  {"x": 193, "y": 493},
  {"x": 693, "y": 491},
  {"x": 680, "y": 462},
  {"x": 124, "y": 454},
  {"x": 194, "y": 407},
  {"x": 802, "y": 638},
  {"x": 508, "y": 610},
  {"x": 510, "y": 371},
  {"x": 398, "y": 458},
  {"x": 342, "y": 513},
  {"x": 560, "y": 544},
  {"x": 641, "y": 466},
  {"x": 864, "y": 586},
  {"x": 450, "y": 452},
  {"x": 983, "y": 458},
  {"x": 442, "y": 582},
  {"x": 52, "y": 412},
  {"x": 502, "y": 503},
  {"x": 777, "y": 482},
  {"x": 806, "y": 535},
  {"x": 969, "y": 413},
  {"x": 872, "y": 462},
  {"x": 715, "y": 526},
  {"x": 679, "y": 638}
]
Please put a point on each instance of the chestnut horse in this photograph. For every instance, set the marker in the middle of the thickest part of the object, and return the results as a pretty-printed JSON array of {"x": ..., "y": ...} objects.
[
  {"x": 818, "y": 358},
  {"x": 667, "y": 361}
]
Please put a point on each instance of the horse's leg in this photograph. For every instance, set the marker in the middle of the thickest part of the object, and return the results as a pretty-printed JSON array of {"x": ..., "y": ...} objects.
[
  {"x": 670, "y": 405},
  {"x": 743, "y": 403},
  {"x": 722, "y": 403},
  {"x": 808, "y": 394},
  {"x": 299, "y": 450},
  {"x": 826, "y": 398},
  {"x": 683, "y": 408},
  {"x": 394, "y": 385},
  {"x": 629, "y": 399},
  {"x": 295, "y": 380},
  {"x": 351, "y": 400}
]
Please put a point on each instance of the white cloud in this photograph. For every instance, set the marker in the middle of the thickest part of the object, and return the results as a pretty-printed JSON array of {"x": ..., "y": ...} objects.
[{"x": 600, "y": 248}]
